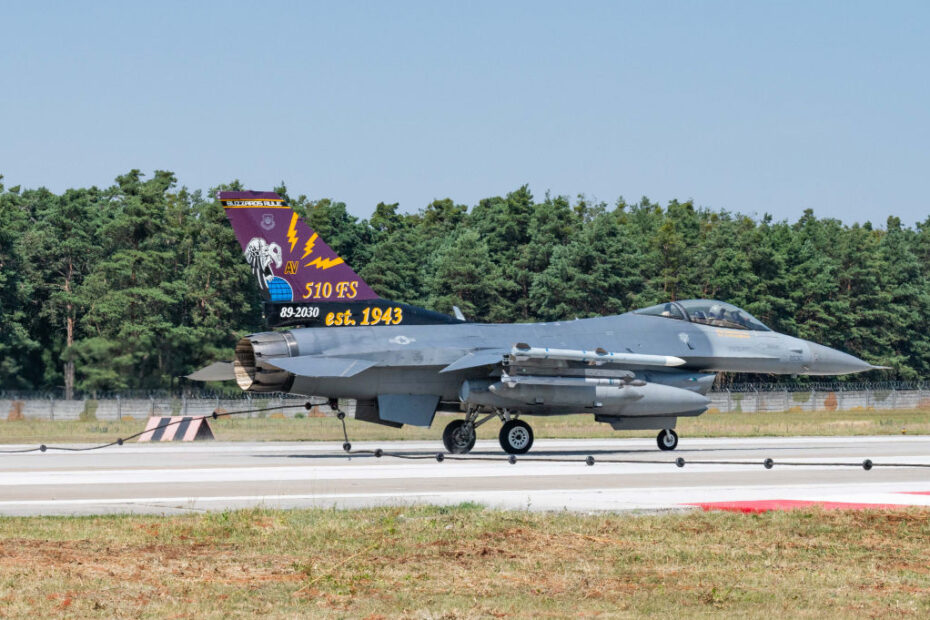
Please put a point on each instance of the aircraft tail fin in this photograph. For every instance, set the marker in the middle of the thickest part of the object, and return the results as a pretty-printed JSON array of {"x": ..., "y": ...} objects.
[{"x": 289, "y": 260}]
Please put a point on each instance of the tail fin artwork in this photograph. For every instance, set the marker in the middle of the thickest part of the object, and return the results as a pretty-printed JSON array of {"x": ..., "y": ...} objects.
[
  {"x": 290, "y": 262},
  {"x": 301, "y": 276}
]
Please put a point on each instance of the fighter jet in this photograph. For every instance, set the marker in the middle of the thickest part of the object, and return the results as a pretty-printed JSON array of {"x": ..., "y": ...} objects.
[{"x": 402, "y": 364}]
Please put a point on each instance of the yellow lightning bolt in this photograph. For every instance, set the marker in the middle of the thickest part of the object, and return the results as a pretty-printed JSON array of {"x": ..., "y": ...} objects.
[
  {"x": 292, "y": 231},
  {"x": 308, "y": 247},
  {"x": 324, "y": 263},
  {"x": 319, "y": 262}
]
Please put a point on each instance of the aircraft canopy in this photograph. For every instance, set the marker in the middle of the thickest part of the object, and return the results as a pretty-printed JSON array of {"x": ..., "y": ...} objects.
[{"x": 707, "y": 312}]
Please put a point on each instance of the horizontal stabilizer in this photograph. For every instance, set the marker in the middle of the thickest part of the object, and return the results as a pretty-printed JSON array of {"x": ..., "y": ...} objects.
[
  {"x": 475, "y": 359},
  {"x": 217, "y": 371},
  {"x": 321, "y": 366},
  {"x": 522, "y": 352}
]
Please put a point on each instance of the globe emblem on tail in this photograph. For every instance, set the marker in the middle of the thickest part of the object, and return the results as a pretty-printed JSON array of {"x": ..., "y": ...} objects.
[{"x": 280, "y": 290}]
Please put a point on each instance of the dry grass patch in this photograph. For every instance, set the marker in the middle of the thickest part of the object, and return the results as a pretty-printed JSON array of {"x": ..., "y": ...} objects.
[
  {"x": 711, "y": 424},
  {"x": 467, "y": 562}
]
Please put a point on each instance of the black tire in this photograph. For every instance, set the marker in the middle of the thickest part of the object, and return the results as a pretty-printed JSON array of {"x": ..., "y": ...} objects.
[
  {"x": 455, "y": 439},
  {"x": 516, "y": 437},
  {"x": 667, "y": 439}
]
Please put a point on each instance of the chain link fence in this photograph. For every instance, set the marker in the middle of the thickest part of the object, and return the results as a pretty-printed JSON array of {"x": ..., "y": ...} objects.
[{"x": 819, "y": 398}]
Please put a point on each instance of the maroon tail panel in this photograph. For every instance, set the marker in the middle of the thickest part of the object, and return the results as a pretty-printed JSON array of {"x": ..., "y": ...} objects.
[{"x": 290, "y": 262}]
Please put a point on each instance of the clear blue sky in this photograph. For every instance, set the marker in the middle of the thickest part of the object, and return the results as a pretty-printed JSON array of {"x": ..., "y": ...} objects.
[{"x": 748, "y": 106}]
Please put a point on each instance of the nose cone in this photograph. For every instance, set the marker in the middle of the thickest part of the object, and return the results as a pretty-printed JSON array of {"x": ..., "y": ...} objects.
[{"x": 827, "y": 361}]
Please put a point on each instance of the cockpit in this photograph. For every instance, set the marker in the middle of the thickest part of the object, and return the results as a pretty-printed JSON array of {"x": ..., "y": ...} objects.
[{"x": 706, "y": 312}]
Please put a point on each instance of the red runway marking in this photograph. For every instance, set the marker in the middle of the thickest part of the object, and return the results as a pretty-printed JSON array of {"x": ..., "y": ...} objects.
[
  {"x": 915, "y": 492},
  {"x": 765, "y": 505}
]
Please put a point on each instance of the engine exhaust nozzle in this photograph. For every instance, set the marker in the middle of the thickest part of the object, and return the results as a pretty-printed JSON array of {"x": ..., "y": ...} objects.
[{"x": 251, "y": 368}]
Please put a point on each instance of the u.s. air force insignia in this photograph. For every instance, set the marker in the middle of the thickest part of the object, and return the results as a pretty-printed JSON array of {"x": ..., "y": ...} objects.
[{"x": 267, "y": 221}]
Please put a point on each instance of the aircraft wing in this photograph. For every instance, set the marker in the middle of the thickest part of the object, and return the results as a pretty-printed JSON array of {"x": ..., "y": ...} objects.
[
  {"x": 321, "y": 365},
  {"x": 481, "y": 357}
]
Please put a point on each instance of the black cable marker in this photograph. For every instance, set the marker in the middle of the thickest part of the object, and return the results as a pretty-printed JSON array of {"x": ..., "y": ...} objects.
[{"x": 589, "y": 460}]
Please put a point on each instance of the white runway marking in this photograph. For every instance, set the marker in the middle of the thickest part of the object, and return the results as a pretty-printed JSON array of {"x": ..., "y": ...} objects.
[
  {"x": 486, "y": 445},
  {"x": 387, "y": 469}
]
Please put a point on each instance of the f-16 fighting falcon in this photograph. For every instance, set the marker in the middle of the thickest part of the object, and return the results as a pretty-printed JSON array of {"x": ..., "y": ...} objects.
[{"x": 401, "y": 364}]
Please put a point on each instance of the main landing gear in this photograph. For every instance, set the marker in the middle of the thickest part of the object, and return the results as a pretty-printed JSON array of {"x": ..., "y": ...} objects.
[
  {"x": 459, "y": 437},
  {"x": 516, "y": 436},
  {"x": 667, "y": 439}
]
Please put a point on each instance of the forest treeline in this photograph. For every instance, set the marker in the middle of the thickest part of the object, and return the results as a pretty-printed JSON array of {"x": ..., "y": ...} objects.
[{"x": 137, "y": 284}]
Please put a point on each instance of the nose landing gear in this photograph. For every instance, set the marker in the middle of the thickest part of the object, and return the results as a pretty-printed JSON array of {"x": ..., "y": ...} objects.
[{"x": 667, "y": 439}]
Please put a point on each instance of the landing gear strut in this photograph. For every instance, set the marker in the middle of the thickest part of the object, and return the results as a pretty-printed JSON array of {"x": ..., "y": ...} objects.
[
  {"x": 459, "y": 435},
  {"x": 667, "y": 439},
  {"x": 516, "y": 436}
]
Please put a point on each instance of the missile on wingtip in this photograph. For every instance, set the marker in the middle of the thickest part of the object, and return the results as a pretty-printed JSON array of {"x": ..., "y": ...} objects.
[{"x": 522, "y": 351}]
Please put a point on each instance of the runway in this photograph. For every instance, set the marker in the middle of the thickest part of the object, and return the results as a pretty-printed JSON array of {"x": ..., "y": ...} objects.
[{"x": 172, "y": 477}]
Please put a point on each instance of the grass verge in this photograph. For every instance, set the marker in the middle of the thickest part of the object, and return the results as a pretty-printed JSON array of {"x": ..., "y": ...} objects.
[
  {"x": 713, "y": 424},
  {"x": 468, "y": 562}
]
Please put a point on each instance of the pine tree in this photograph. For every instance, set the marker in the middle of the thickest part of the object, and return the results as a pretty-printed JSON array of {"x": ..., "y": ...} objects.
[
  {"x": 133, "y": 295},
  {"x": 767, "y": 246},
  {"x": 907, "y": 292},
  {"x": 724, "y": 268},
  {"x": 395, "y": 269},
  {"x": 860, "y": 287},
  {"x": 551, "y": 225},
  {"x": 61, "y": 249},
  {"x": 15, "y": 341},
  {"x": 820, "y": 311},
  {"x": 462, "y": 274},
  {"x": 220, "y": 297},
  {"x": 504, "y": 224}
]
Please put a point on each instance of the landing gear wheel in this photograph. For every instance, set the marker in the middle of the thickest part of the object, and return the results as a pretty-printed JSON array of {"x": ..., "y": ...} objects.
[
  {"x": 516, "y": 437},
  {"x": 667, "y": 439},
  {"x": 458, "y": 438}
]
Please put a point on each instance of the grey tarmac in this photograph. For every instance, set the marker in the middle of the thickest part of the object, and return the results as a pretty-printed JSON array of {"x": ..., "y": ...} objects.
[{"x": 172, "y": 477}]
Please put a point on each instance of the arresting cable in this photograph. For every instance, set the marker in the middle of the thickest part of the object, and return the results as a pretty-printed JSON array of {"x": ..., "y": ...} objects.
[{"x": 440, "y": 457}]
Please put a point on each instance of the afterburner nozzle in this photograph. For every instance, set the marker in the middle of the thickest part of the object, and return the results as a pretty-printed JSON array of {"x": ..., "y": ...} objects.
[{"x": 251, "y": 367}]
